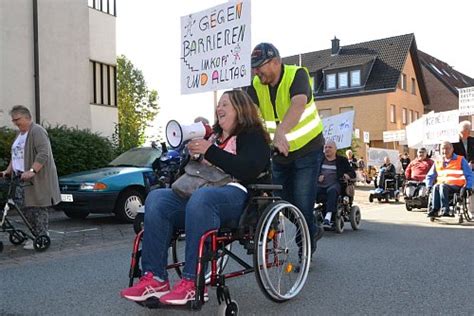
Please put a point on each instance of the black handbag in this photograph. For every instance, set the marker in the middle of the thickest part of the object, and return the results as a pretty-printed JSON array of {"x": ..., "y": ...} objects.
[{"x": 199, "y": 175}]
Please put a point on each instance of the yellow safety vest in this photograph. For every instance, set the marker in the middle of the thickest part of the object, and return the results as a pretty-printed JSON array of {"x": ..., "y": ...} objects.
[{"x": 309, "y": 125}]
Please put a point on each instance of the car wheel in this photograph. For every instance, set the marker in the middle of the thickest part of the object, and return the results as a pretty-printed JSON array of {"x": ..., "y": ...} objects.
[
  {"x": 76, "y": 214},
  {"x": 128, "y": 204}
]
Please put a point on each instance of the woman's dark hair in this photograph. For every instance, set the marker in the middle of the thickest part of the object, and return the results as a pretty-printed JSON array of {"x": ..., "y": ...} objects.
[{"x": 248, "y": 117}]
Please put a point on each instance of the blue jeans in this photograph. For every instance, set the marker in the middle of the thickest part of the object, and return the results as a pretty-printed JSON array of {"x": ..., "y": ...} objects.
[
  {"x": 441, "y": 195},
  {"x": 165, "y": 211},
  {"x": 299, "y": 184},
  {"x": 329, "y": 196}
]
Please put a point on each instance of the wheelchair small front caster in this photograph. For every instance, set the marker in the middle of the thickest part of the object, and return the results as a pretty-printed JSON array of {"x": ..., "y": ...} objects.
[
  {"x": 42, "y": 242},
  {"x": 228, "y": 309}
]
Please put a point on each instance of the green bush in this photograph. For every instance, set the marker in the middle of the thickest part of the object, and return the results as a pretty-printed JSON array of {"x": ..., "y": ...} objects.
[
  {"x": 77, "y": 150},
  {"x": 74, "y": 150},
  {"x": 7, "y": 136}
]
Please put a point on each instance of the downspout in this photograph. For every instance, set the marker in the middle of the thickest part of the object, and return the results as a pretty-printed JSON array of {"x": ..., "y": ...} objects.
[{"x": 36, "y": 62}]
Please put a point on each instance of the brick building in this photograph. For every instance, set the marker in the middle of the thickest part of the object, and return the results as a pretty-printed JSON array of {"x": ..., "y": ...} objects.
[{"x": 381, "y": 80}]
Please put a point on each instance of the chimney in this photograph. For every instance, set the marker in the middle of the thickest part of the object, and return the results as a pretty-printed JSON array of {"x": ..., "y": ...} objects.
[{"x": 335, "y": 46}]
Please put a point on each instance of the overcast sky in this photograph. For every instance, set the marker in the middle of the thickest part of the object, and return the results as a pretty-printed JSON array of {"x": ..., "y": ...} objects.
[{"x": 148, "y": 33}]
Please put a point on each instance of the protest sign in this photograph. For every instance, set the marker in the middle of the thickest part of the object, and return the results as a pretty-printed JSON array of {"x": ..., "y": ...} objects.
[
  {"x": 442, "y": 126},
  {"x": 394, "y": 136},
  {"x": 375, "y": 157},
  {"x": 215, "y": 48},
  {"x": 466, "y": 101},
  {"x": 338, "y": 128},
  {"x": 366, "y": 137}
]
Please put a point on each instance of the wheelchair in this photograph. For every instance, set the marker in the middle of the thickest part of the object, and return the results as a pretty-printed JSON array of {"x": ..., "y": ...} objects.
[
  {"x": 391, "y": 190},
  {"x": 273, "y": 231},
  {"x": 345, "y": 210},
  {"x": 458, "y": 205},
  {"x": 415, "y": 195}
]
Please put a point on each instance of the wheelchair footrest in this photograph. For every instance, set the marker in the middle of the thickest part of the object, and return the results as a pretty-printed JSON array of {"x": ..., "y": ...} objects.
[{"x": 154, "y": 303}]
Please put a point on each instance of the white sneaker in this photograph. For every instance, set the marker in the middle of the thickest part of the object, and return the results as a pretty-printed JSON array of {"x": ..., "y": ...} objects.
[{"x": 29, "y": 245}]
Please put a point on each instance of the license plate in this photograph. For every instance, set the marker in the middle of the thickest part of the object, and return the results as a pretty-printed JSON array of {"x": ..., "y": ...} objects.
[{"x": 66, "y": 198}]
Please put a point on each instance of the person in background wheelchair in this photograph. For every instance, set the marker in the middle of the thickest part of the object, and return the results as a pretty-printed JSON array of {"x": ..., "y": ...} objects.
[
  {"x": 387, "y": 171},
  {"x": 415, "y": 174},
  {"x": 241, "y": 149},
  {"x": 334, "y": 168},
  {"x": 447, "y": 176}
]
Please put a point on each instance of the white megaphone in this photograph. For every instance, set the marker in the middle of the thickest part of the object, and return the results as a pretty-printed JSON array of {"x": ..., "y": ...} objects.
[{"x": 177, "y": 134}]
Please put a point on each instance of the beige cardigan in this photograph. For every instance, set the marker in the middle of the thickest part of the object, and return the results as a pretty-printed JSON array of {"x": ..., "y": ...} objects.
[{"x": 45, "y": 189}]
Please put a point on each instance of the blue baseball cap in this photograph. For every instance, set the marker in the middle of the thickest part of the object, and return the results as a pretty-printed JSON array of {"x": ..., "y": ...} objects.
[{"x": 262, "y": 53}]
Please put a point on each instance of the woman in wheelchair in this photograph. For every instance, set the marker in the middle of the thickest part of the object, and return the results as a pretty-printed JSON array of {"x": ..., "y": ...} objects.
[
  {"x": 242, "y": 150},
  {"x": 329, "y": 186},
  {"x": 448, "y": 175}
]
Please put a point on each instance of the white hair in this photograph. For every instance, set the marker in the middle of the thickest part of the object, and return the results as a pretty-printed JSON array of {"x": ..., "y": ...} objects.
[{"x": 464, "y": 124}]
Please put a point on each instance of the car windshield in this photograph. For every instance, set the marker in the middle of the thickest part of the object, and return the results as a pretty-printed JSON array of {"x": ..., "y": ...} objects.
[{"x": 136, "y": 157}]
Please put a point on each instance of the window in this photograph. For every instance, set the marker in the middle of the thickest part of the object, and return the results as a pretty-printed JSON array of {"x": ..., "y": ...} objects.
[
  {"x": 106, "y": 6},
  {"x": 324, "y": 113},
  {"x": 416, "y": 115},
  {"x": 313, "y": 82},
  {"x": 103, "y": 84},
  {"x": 410, "y": 116},
  {"x": 413, "y": 86},
  {"x": 355, "y": 78},
  {"x": 330, "y": 81},
  {"x": 392, "y": 113},
  {"x": 343, "y": 80},
  {"x": 404, "y": 116},
  {"x": 404, "y": 82},
  {"x": 346, "y": 109}
]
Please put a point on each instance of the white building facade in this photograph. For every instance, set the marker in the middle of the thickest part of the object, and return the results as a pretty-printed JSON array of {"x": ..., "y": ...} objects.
[{"x": 58, "y": 58}]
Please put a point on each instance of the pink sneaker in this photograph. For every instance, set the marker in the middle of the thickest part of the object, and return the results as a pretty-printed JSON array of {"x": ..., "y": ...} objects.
[
  {"x": 183, "y": 292},
  {"x": 147, "y": 287}
]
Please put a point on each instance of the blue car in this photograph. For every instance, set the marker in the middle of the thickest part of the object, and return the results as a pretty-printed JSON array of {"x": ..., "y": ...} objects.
[{"x": 119, "y": 188}]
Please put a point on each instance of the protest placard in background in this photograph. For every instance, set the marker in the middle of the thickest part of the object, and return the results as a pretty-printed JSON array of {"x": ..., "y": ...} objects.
[
  {"x": 466, "y": 101},
  {"x": 441, "y": 126},
  {"x": 338, "y": 128},
  {"x": 215, "y": 48}
]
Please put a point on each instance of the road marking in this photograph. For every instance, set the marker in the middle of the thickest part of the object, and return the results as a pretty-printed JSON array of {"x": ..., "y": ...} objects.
[{"x": 73, "y": 231}]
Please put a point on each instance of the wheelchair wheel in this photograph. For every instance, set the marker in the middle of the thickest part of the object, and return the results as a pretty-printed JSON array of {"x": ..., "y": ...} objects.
[
  {"x": 283, "y": 251},
  {"x": 228, "y": 310},
  {"x": 178, "y": 247},
  {"x": 465, "y": 211},
  {"x": 1, "y": 246},
  {"x": 355, "y": 217},
  {"x": 339, "y": 222},
  {"x": 371, "y": 198}
]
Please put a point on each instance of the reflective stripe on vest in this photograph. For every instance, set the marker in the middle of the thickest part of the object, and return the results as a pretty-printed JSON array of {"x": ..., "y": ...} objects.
[
  {"x": 309, "y": 125},
  {"x": 451, "y": 174}
]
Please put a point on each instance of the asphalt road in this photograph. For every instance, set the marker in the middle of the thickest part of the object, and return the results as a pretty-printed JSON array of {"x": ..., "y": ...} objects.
[{"x": 397, "y": 264}]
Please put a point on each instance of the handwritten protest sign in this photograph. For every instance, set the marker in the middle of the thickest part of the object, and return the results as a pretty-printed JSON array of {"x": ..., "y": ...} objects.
[
  {"x": 375, "y": 157},
  {"x": 338, "y": 128},
  {"x": 414, "y": 133},
  {"x": 215, "y": 48},
  {"x": 466, "y": 101},
  {"x": 394, "y": 136},
  {"x": 442, "y": 126}
]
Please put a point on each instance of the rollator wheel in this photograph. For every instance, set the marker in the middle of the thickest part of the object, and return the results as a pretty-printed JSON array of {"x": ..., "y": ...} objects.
[
  {"x": 282, "y": 251},
  {"x": 17, "y": 237},
  {"x": 228, "y": 310},
  {"x": 42, "y": 242},
  {"x": 178, "y": 247},
  {"x": 355, "y": 217}
]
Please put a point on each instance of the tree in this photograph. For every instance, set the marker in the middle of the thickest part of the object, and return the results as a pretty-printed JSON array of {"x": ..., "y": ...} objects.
[{"x": 137, "y": 106}]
